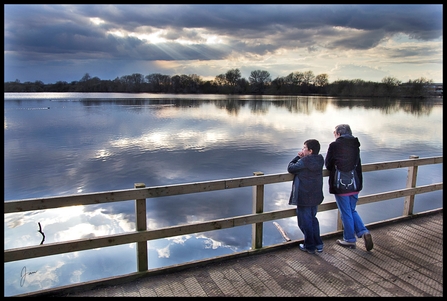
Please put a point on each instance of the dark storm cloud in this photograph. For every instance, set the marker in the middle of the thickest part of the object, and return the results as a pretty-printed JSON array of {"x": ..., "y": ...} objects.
[
  {"x": 67, "y": 29},
  {"x": 413, "y": 52},
  {"x": 61, "y": 37},
  {"x": 363, "y": 40},
  {"x": 65, "y": 32}
]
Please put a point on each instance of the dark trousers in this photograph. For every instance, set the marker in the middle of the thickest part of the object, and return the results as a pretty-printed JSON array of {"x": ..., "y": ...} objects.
[{"x": 310, "y": 226}]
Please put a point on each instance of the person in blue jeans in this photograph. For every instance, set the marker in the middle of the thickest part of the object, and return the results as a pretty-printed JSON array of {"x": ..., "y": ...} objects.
[
  {"x": 307, "y": 193},
  {"x": 344, "y": 153}
]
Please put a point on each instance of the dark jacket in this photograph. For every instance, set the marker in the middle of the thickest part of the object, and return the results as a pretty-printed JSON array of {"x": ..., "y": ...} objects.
[
  {"x": 307, "y": 186},
  {"x": 343, "y": 152}
]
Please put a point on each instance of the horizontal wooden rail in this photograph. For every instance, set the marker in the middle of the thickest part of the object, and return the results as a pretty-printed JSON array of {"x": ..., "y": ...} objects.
[
  {"x": 146, "y": 235},
  {"x": 178, "y": 189},
  {"x": 152, "y": 192}
]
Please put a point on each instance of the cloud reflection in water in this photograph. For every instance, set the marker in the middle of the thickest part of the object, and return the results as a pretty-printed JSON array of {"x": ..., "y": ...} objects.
[{"x": 102, "y": 145}]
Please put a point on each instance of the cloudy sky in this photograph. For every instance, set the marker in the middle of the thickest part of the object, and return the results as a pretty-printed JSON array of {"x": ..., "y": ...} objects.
[{"x": 54, "y": 43}]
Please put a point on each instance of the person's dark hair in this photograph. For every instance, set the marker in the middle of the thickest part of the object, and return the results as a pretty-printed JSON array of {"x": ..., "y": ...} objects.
[
  {"x": 314, "y": 145},
  {"x": 343, "y": 129}
]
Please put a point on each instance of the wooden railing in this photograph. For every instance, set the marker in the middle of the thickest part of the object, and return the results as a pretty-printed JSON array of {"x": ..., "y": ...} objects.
[{"x": 140, "y": 193}]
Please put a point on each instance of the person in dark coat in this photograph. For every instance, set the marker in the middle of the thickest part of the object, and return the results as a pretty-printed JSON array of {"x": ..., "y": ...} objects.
[
  {"x": 307, "y": 193},
  {"x": 344, "y": 153}
]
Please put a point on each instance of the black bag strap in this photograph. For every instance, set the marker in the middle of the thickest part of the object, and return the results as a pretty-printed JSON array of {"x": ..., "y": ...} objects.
[{"x": 358, "y": 158}]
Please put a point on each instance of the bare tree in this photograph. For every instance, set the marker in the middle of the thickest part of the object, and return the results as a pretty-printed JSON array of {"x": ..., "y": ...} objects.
[
  {"x": 220, "y": 80},
  {"x": 232, "y": 76},
  {"x": 297, "y": 78},
  {"x": 390, "y": 86},
  {"x": 195, "y": 81},
  {"x": 308, "y": 78},
  {"x": 259, "y": 79},
  {"x": 154, "y": 81},
  {"x": 418, "y": 88},
  {"x": 85, "y": 78},
  {"x": 279, "y": 82},
  {"x": 137, "y": 81},
  {"x": 321, "y": 80}
]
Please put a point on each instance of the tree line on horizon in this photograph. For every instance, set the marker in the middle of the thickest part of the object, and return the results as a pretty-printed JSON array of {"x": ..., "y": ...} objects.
[{"x": 231, "y": 82}]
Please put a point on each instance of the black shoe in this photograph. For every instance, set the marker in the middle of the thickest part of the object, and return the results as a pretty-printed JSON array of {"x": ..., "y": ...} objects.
[
  {"x": 346, "y": 244},
  {"x": 303, "y": 248},
  {"x": 368, "y": 241}
]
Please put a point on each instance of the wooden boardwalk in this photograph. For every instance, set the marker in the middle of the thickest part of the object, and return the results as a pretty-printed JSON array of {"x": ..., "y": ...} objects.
[{"x": 407, "y": 260}]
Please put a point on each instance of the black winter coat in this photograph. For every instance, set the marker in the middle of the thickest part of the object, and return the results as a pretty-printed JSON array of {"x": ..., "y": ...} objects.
[{"x": 343, "y": 152}]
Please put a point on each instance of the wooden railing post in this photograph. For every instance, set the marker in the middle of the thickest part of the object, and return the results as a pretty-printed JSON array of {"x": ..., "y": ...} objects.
[
  {"x": 411, "y": 183},
  {"x": 141, "y": 225},
  {"x": 258, "y": 207}
]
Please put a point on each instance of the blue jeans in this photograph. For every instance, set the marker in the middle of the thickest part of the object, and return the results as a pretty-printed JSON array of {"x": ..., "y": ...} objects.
[
  {"x": 309, "y": 225},
  {"x": 352, "y": 222}
]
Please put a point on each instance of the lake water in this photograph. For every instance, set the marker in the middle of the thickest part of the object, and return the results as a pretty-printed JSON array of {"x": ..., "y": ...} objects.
[{"x": 70, "y": 143}]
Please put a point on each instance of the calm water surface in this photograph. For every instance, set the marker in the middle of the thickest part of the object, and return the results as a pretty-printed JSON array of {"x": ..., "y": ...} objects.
[{"x": 70, "y": 143}]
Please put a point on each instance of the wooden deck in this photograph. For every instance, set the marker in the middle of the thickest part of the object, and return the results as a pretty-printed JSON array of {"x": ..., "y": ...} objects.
[{"x": 407, "y": 260}]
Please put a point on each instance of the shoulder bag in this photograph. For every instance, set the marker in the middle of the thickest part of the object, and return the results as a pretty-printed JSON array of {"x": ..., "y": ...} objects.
[{"x": 346, "y": 181}]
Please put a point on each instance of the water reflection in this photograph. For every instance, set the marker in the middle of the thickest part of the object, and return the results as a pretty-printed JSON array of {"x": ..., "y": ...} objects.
[
  {"x": 85, "y": 144},
  {"x": 294, "y": 104}
]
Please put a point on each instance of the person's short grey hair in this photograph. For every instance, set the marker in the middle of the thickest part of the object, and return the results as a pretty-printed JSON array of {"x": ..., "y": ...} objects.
[{"x": 343, "y": 129}]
